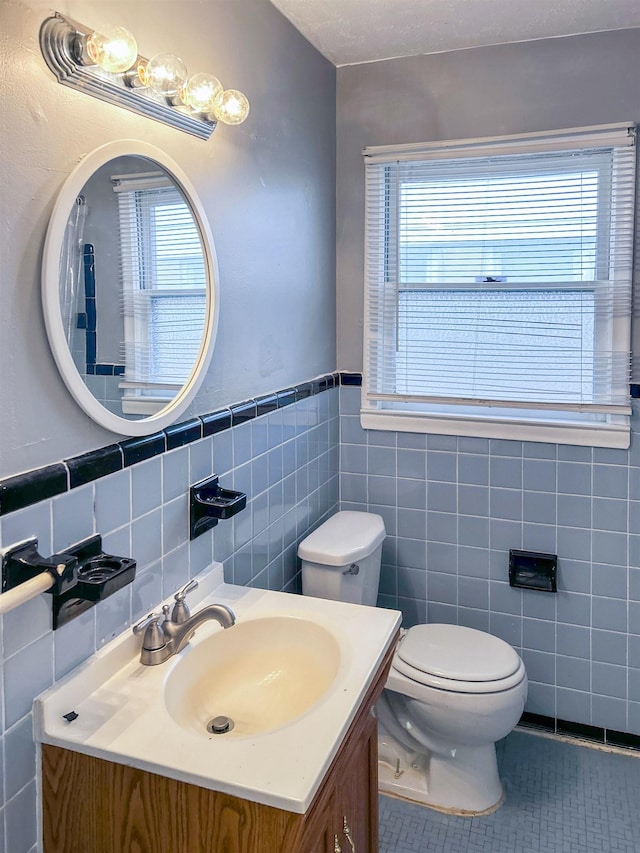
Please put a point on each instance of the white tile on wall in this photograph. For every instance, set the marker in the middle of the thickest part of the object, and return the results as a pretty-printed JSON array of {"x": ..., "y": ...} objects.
[
  {"x": 19, "y": 757},
  {"x": 75, "y": 642},
  {"x": 36, "y": 660},
  {"x": 20, "y": 826},
  {"x": 33, "y": 522},
  {"x": 73, "y": 517},
  {"x": 113, "y": 501},
  {"x": 25, "y": 624}
]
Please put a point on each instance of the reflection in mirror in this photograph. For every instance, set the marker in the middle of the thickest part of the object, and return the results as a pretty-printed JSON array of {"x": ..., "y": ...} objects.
[
  {"x": 133, "y": 287},
  {"x": 130, "y": 287}
]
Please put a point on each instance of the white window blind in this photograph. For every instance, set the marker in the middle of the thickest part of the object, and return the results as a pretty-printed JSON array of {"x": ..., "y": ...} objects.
[
  {"x": 164, "y": 287},
  {"x": 498, "y": 281}
]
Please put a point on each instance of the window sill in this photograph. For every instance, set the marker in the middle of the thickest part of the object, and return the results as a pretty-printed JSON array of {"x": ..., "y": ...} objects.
[
  {"x": 589, "y": 435},
  {"x": 143, "y": 407}
]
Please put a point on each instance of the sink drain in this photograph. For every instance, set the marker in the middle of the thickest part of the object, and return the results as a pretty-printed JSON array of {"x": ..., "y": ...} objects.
[{"x": 219, "y": 725}]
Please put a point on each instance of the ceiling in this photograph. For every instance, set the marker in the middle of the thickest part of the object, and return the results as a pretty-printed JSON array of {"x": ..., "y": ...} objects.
[{"x": 348, "y": 32}]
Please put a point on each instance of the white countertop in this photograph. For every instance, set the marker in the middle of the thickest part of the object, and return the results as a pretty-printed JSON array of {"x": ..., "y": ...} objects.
[{"x": 122, "y": 715}]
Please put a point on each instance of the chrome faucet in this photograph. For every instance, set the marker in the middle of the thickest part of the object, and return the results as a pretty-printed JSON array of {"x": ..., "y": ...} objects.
[{"x": 165, "y": 635}]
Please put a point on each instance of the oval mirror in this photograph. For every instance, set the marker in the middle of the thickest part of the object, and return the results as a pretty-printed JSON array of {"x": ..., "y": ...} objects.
[{"x": 130, "y": 288}]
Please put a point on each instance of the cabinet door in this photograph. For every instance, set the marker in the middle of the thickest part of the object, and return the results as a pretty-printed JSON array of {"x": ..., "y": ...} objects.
[
  {"x": 318, "y": 837},
  {"x": 340, "y": 822},
  {"x": 356, "y": 801}
]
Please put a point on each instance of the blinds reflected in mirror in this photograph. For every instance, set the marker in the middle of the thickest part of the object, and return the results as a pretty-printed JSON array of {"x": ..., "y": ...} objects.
[
  {"x": 164, "y": 285},
  {"x": 169, "y": 332}
]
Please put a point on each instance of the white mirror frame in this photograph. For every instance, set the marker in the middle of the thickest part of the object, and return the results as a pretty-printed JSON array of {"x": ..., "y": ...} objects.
[{"x": 51, "y": 290}]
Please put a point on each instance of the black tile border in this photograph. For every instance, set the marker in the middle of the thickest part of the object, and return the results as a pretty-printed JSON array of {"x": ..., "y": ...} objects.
[
  {"x": 266, "y": 404},
  {"x": 286, "y": 397},
  {"x": 351, "y": 379},
  {"x": 32, "y": 487},
  {"x": 624, "y": 740},
  {"x": 215, "y": 422},
  {"x": 243, "y": 412},
  {"x": 103, "y": 369},
  {"x": 184, "y": 433},
  {"x": 145, "y": 447},
  {"x": 303, "y": 391},
  {"x": 537, "y": 721},
  {"x": 580, "y": 731},
  {"x": 95, "y": 464},
  {"x": 23, "y": 490}
]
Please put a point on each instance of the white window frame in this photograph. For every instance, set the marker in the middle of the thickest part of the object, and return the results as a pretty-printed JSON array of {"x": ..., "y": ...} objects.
[{"x": 483, "y": 418}]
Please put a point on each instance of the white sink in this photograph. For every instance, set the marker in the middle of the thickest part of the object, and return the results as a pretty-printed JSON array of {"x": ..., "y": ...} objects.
[
  {"x": 290, "y": 674},
  {"x": 261, "y": 674}
]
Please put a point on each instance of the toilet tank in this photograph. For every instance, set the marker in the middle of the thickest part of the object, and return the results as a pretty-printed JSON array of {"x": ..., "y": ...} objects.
[{"x": 341, "y": 558}]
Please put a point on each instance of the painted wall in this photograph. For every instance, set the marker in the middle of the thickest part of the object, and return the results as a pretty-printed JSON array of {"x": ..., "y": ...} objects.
[
  {"x": 489, "y": 91},
  {"x": 266, "y": 186},
  {"x": 268, "y": 190},
  {"x": 455, "y": 506}
]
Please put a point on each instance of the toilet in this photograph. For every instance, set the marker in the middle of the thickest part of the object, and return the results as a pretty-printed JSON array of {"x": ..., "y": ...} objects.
[{"x": 452, "y": 691}]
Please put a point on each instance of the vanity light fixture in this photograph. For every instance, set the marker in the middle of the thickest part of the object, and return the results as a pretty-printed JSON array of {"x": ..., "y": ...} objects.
[{"x": 107, "y": 65}]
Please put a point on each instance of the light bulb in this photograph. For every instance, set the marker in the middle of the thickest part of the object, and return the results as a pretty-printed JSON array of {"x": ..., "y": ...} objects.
[
  {"x": 113, "y": 49},
  {"x": 202, "y": 92},
  {"x": 233, "y": 107},
  {"x": 166, "y": 74}
]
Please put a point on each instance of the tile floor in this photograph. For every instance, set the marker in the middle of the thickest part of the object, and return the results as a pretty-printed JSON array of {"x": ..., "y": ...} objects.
[{"x": 560, "y": 798}]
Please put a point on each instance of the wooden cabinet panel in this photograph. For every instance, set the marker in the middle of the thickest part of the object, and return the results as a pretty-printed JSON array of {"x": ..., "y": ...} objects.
[{"x": 96, "y": 806}]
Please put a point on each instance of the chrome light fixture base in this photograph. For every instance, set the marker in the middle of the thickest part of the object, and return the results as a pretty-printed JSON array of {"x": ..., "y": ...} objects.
[{"x": 59, "y": 37}]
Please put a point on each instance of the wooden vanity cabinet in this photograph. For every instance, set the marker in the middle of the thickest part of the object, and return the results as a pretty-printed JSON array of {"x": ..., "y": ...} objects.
[{"x": 95, "y": 806}]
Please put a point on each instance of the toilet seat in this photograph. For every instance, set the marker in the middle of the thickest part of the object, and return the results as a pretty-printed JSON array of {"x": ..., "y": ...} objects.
[{"x": 458, "y": 659}]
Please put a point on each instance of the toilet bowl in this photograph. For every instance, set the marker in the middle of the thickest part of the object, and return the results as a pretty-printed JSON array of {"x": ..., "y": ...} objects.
[{"x": 451, "y": 694}]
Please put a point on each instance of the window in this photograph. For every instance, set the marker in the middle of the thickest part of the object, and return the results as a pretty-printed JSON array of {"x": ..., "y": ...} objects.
[
  {"x": 164, "y": 290},
  {"x": 498, "y": 287}
]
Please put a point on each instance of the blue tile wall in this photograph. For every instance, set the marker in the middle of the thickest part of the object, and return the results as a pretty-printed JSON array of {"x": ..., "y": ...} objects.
[
  {"x": 287, "y": 461},
  {"x": 453, "y": 507}
]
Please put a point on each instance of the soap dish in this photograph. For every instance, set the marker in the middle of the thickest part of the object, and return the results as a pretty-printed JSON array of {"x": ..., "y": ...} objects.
[{"x": 210, "y": 503}]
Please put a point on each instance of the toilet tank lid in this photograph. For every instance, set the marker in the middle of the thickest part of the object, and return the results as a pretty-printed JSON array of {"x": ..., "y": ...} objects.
[{"x": 344, "y": 538}]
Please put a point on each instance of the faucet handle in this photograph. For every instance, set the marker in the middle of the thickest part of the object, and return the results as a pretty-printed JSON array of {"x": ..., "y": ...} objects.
[
  {"x": 144, "y": 623},
  {"x": 188, "y": 587},
  {"x": 154, "y": 638},
  {"x": 180, "y": 612}
]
